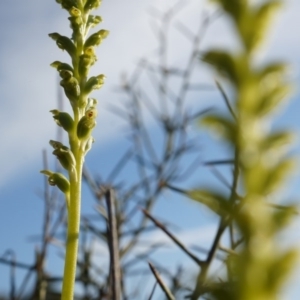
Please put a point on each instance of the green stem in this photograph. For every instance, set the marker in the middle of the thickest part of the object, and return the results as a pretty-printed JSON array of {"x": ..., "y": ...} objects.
[
  {"x": 73, "y": 232},
  {"x": 75, "y": 190}
]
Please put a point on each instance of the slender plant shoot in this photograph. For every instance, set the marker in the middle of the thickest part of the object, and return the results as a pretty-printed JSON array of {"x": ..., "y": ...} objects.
[{"x": 77, "y": 86}]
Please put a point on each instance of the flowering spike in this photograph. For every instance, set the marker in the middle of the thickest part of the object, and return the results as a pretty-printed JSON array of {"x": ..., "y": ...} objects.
[{"x": 77, "y": 86}]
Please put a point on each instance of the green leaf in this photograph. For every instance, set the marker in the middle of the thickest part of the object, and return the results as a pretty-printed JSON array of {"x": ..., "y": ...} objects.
[
  {"x": 278, "y": 174},
  {"x": 252, "y": 26},
  {"x": 277, "y": 140},
  {"x": 283, "y": 216},
  {"x": 234, "y": 8},
  {"x": 225, "y": 64},
  {"x": 221, "y": 125},
  {"x": 262, "y": 20},
  {"x": 280, "y": 269},
  {"x": 272, "y": 98},
  {"x": 272, "y": 71},
  {"x": 213, "y": 200}
]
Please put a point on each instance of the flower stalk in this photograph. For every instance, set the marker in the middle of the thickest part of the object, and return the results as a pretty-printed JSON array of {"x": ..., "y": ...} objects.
[{"x": 77, "y": 87}]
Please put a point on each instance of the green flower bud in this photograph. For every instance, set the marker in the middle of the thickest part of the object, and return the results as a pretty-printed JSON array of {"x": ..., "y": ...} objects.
[
  {"x": 104, "y": 33},
  {"x": 63, "y": 43},
  {"x": 93, "y": 21},
  {"x": 66, "y": 74},
  {"x": 96, "y": 38},
  {"x": 75, "y": 21},
  {"x": 82, "y": 102},
  {"x": 63, "y": 119},
  {"x": 70, "y": 85},
  {"x": 90, "y": 4},
  {"x": 59, "y": 66},
  {"x": 91, "y": 113},
  {"x": 87, "y": 59},
  {"x": 58, "y": 179},
  {"x": 94, "y": 83},
  {"x": 64, "y": 155},
  {"x": 55, "y": 144},
  {"x": 75, "y": 12},
  {"x": 89, "y": 51},
  {"x": 87, "y": 123},
  {"x": 67, "y": 4},
  {"x": 76, "y": 25}
]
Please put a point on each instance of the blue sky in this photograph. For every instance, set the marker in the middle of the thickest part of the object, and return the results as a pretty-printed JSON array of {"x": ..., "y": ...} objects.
[{"x": 28, "y": 88}]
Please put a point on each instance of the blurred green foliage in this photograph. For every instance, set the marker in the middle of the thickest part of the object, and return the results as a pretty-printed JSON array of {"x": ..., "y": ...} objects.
[{"x": 261, "y": 163}]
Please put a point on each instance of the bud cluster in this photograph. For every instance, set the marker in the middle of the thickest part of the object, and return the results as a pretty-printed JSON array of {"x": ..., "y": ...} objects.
[{"x": 76, "y": 83}]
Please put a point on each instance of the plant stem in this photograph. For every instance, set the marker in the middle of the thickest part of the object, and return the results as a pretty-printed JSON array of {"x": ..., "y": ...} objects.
[
  {"x": 72, "y": 233},
  {"x": 74, "y": 82}
]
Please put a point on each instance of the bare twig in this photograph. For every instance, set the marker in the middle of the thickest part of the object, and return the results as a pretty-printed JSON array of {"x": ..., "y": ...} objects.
[
  {"x": 153, "y": 290},
  {"x": 161, "y": 283},
  {"x": 227, "y": 102},
  {"x": 175, "y": 240},
  {"x": 113, "y": 245}
]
